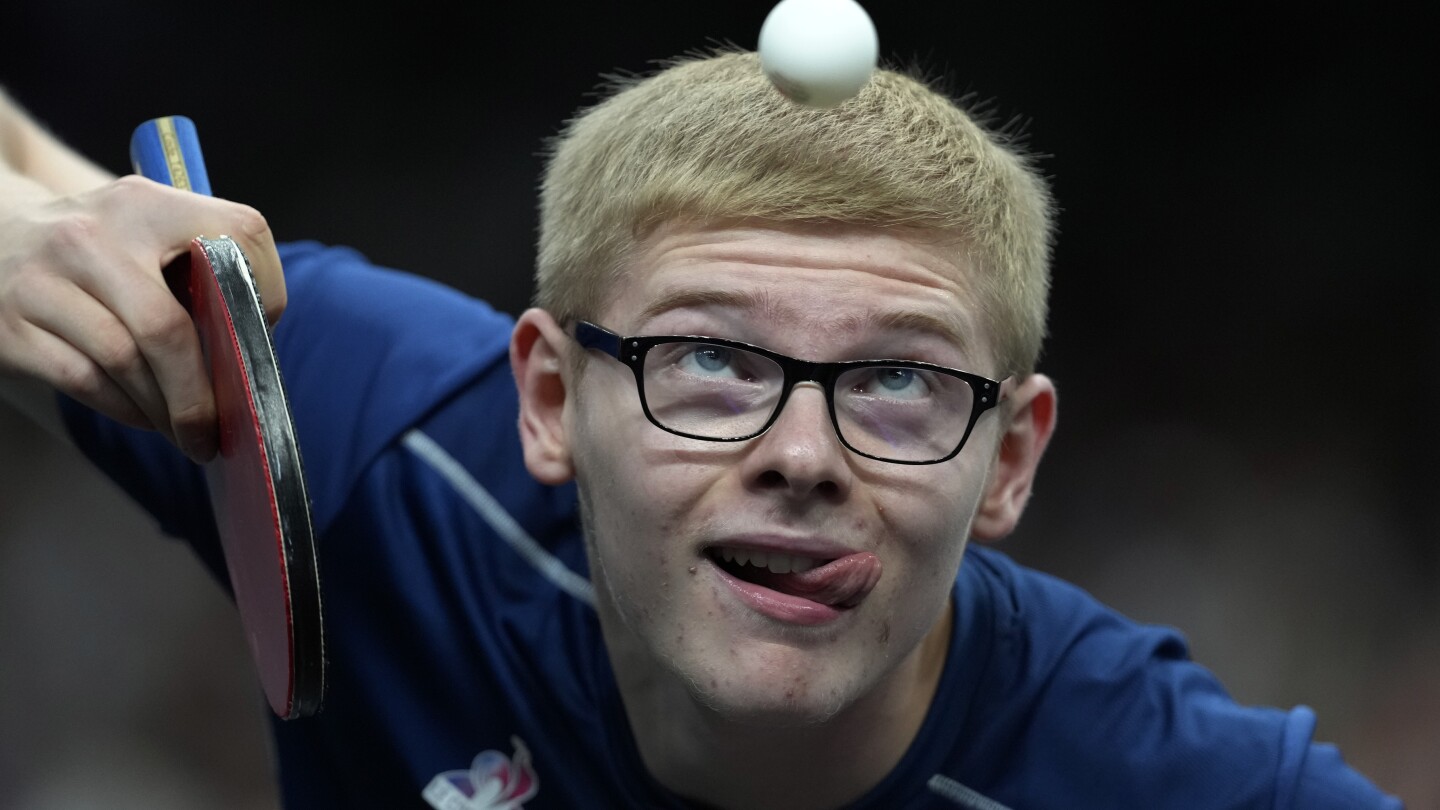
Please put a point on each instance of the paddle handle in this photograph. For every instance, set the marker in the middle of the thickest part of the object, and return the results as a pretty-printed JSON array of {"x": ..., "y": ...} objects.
[{"x": 167, "y": 150}]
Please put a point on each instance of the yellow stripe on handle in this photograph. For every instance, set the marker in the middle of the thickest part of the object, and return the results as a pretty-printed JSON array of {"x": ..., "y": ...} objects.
[{"x": 174, "y": 161}]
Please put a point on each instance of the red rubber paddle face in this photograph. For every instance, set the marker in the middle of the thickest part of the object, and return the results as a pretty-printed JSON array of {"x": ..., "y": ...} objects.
[{"x": 257, "y": 483}]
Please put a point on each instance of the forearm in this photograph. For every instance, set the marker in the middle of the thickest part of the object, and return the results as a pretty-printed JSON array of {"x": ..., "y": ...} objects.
[
  {"x": 23, "y": 164},
  {"x": 35, "y": 167},
  {"x": 35, "y": 164}
]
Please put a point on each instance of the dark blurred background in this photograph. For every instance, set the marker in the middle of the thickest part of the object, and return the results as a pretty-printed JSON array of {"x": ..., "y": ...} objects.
[{"x": 1241, "y": 329}]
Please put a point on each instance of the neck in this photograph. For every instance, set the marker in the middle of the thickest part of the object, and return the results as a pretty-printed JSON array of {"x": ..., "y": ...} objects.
[{"x": 723, "y": 762}]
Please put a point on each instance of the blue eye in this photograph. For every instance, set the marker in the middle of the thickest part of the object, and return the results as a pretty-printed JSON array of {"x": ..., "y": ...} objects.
[
  {"x": 712, "y": 358},
  {"x": 895, "y": 379},
  {"x": 894, "y": 383}
]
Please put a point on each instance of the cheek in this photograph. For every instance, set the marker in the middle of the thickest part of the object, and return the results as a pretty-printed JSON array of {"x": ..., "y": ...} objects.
[
  {"x": 930, "y": 508},
  {"x": 638, "y": 490},
  {"x": 924, "y": 527},
  {"x": 603, "y": 433},
  {"x": 641, "y": 470}
]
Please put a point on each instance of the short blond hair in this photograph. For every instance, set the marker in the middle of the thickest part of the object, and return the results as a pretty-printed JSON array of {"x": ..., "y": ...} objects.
[{"x": 709, "y": 140}]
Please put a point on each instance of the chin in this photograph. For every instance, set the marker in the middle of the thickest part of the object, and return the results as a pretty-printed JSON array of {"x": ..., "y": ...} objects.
[
  {"x": 749, "y": 708},
  {"x": 769, "y": 687}
]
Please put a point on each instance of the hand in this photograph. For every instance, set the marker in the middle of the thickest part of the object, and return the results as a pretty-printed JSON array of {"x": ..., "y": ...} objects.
[{"x": 84, "y": 306}]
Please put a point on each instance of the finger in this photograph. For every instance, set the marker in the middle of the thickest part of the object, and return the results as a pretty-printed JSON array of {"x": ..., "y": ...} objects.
[
  {"x": 73, "y": 315},
  {"x": 134, "y": 291},
  {"x": 66, "y": 369},
  {"x": 175, "y": 217},
  {"x": 166, "y": 340},
  {"x": 258, "y": 243}
]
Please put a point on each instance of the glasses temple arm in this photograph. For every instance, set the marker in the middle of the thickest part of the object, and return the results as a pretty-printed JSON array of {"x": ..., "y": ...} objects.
[{"x": 590, "y": 336}]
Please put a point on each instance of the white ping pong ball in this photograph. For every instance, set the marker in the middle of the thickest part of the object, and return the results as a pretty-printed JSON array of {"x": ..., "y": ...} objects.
[{"x": 818, "y": 52}]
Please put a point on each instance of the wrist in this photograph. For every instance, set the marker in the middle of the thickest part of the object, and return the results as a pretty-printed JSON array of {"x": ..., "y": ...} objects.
[
  {"x": 18, "y": 192},
  {"x": 28, "y": 151}
]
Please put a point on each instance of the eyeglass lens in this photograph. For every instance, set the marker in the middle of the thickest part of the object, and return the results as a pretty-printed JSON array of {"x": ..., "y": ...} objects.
[{"x": 722, "y": 392}]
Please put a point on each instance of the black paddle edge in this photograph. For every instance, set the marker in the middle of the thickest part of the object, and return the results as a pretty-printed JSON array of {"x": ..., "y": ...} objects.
[{"x": 308, "y": 662}]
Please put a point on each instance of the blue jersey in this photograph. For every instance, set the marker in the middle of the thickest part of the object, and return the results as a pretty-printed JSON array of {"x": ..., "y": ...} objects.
[{"x": 466, "y": 665}]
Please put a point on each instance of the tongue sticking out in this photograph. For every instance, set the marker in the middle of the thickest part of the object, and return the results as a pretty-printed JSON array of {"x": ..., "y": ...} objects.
[{"x": 839, "y": 583}]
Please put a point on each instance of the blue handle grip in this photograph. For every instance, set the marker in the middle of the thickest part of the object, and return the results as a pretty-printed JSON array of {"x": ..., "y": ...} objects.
[{"x": 167, "y": 150}]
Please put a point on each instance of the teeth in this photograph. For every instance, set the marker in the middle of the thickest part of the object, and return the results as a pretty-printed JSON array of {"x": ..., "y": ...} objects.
[{"x": 775, "y": 561}]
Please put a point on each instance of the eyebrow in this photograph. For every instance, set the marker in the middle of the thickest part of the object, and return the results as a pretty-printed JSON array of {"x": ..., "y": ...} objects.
[{"x": 952, "y": 329}]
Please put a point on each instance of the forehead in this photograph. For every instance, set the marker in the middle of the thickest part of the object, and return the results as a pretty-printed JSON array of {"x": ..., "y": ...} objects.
[{"x": 825, "y": 281}]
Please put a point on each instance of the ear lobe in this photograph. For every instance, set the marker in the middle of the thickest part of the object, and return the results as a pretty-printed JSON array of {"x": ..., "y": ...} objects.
[
  {"x": 538, "y": 362},
  {"x": 1031, "y": 424}
]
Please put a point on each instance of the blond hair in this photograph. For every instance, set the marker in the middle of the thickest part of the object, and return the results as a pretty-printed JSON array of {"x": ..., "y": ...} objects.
[{"x": 708, "y": 139}]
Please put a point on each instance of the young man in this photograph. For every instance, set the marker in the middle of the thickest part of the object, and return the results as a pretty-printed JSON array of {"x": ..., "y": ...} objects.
[{"x": 781, "y": 371}]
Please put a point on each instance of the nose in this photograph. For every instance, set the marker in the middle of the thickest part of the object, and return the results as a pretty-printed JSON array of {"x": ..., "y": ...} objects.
[{"x": 800, "y": 455}]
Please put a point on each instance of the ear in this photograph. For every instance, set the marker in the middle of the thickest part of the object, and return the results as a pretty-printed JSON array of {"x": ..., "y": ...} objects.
[
  {"x": 1032, "y": 421},
  {"x": 538, "y": 362}
]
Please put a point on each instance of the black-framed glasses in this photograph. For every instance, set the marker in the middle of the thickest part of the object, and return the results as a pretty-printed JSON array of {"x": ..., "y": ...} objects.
[{"x": 718, "y": 390}]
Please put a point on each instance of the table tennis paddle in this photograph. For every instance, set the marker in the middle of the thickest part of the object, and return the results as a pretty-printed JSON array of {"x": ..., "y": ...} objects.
[{"x": 256, "y": 481}]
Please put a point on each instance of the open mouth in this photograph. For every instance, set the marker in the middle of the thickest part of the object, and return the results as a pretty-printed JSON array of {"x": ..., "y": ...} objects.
[
  {"x": 841, "y": 583},
  {"x": 744, "y": 564}
]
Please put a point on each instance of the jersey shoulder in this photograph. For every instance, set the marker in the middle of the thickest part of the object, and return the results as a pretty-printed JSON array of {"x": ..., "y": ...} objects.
[
  {"x": 367, "y": 352},
  {"x": 1084, "y": 702}
]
